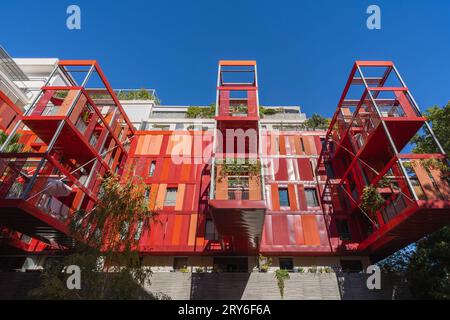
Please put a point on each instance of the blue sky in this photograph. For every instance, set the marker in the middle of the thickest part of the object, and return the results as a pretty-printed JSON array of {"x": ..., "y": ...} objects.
[{"x": 304, "y": 49}]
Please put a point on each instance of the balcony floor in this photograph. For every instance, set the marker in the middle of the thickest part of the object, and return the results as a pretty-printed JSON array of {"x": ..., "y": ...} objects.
[
  {"x": 406, "y": 228},
  {"x": 23, "y": 217},
  {"x": 242, "y": 220}
]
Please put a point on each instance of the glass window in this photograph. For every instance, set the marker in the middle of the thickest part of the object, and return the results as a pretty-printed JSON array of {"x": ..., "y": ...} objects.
[
  {"x": 302, "y": 144},
  {"x": 152, "y": 169},
  {"x": 171, "y": 197},
  {"x": 284, "y": 197},
  {"x": 210, "y": 230},
  {"x": 311, "y": 197},
  {"x": 286, "y": 264},
  {"x": 180, "y": 263}
]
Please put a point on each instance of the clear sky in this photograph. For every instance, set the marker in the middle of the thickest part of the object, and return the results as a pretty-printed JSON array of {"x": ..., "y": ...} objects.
[{"x": 304, "y": 49}]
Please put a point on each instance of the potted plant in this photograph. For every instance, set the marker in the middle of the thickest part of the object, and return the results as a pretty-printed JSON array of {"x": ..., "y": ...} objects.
[{"x": 265, "y": 263}]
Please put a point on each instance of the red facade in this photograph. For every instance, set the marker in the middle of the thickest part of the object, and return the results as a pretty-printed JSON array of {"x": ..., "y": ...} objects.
[{"x": 300, "y": 199}]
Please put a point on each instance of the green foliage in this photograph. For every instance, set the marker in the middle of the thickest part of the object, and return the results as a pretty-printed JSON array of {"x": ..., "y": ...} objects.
[
  {"x": 14, "y": 145},
  {"x": 281, "y": 276},
  {"x": 397, "y": 262},
  {"x": 439, "y": 119},
  {"x": 427, "y": 264},
  {"x": 268, "y": 111},
  {"x": 241, "y": 108},
  {"x": 428, "y": 271},
  {"x": 313, "y": 269},
  {"x": 141, "y": 94},
  {"x": 371, "y": 200},
  {"x": 106, "y": 248},
  {"x": 316, "y": 121},
  {"x": 265, "y": 263},
  {"x": 194, "y": 112},
  {"x": 239, "y": 167}
]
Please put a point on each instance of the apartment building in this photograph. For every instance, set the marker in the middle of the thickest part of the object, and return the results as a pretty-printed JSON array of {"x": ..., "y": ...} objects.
[{"x": 234, "y": 184}]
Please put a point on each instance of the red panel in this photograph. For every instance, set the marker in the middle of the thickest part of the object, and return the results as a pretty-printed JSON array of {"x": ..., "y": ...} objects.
[
  {"x": 304, "y": 166},
  {"x": 280, "y": 230},
  {"x": 281, "y": 175}
]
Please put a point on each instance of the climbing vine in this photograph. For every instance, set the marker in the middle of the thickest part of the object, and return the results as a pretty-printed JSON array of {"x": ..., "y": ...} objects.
[
  {"x": 371, "y": 200},
  {"x": 281, "y": 276},
  {"x": 239, "y": 167}
]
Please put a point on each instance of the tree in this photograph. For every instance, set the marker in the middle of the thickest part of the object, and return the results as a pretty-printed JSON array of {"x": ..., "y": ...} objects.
[
  {"x": 428, "y": 271},
  {"x": 427, "y": 267},
  {"x": 14, "y": 145},
  {"x": 106, "y": 248},
  {"x": 439, "y": 119},
  {"x": 316, "y": 121}
]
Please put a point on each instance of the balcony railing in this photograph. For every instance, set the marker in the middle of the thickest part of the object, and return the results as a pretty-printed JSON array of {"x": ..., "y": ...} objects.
[{"x": 36, "y": 180}]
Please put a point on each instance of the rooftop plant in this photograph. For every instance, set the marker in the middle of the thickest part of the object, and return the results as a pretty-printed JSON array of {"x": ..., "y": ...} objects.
[{"x": 194, "y": 112}]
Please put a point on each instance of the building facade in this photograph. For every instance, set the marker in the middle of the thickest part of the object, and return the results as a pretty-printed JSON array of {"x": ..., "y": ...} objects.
[{"x": 234, "y": 184}]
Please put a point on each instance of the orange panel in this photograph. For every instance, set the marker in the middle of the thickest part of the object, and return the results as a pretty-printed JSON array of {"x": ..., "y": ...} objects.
[
  {"x": 152, "y": 198},
  {"x": 298, "y": 228},
  {"x": 255, "y": 188},
  {"x": 275, "y": 198},
  {"x": 237, "y": 62},
  {"x": 154, "y": 147},
  {"x": 180, "y": 197},
  {"x": 165, "y": 169},
  {"x": 282, "y": 142},
  {"x": 140, "y": 143},
  {"x": 307, "y": 145},
  {"x": 160, "y": 197},
  {"x": 221, "y": 186},
  {"x": 292, "y": 197},
  {"x": 185, "y": 171},
  {"x": 424, "y": 180},
  {"x": 192, "y": 229},
  {"x": 441, "y": 183},
  {"x": 298, "y": 145},
  {"x": 177, "y": 229},
  {"x": 293, "y": 145},
  {"x": 310, "y": 230}
]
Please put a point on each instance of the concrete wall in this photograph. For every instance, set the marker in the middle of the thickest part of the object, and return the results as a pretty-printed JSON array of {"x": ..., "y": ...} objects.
[
  {"x": 241, "y": 286},
  {"x": 263, "y": 286}
]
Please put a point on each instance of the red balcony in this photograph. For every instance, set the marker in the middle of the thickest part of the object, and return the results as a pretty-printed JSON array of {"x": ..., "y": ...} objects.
[
  {"x": 38, "y": 196},
  {"x": 416, "y": 204}
]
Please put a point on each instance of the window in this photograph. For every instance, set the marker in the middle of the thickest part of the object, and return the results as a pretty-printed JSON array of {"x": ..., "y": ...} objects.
[
  {"x": 351, "y": 266},
  {"x": 343, "y": 230},
  {"x": 171, "y": 197},
  {"x": 210, "y": 230},
  {"x": 311, "y": 197},
  {"x": 180, "y": 263},
  {"x": 152, "y": 169},
  {"x": 284, "y": 197},
  {"x": 312, "y": 169},
  {"x": 303, "y": 145},
  {"x": 286, "y": 264},
  {"x": 147, "y": 194}
]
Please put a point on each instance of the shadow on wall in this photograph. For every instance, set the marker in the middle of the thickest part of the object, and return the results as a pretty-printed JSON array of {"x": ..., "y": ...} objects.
[
  {"x": 353, "y": 287},
  {"x": 218, "y": 286}
]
